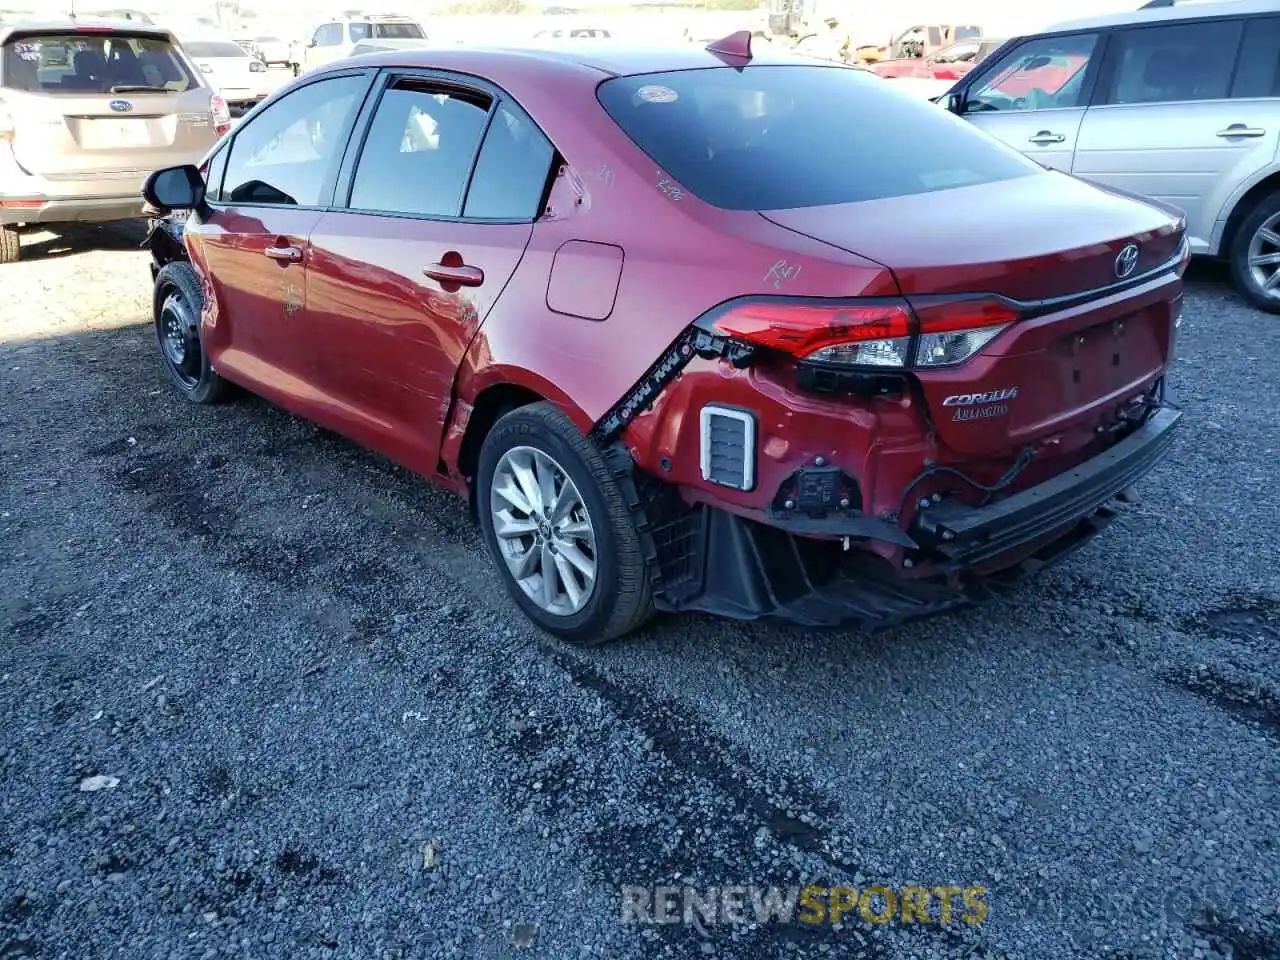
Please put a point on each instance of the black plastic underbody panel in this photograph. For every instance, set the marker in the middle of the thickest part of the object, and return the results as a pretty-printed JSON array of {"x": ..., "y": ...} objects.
[{"x": 713, "y": 561}]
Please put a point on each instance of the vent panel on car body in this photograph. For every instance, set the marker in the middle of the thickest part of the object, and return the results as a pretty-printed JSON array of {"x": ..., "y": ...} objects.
[{"x": 728, "y": 447}]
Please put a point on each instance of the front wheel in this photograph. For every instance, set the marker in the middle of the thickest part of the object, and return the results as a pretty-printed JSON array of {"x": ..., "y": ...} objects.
[
  {"x": 1255, "y": 255},
  {"x": 177, "y": 307},
  {"x": 559, "y": 529}
]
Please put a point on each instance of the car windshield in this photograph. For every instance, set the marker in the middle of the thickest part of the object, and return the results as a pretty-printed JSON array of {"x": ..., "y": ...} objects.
[
  {"x": 777, "y": 137},
  {"x": 97, "y": 62},
  {"x": 214, "y": 49}
]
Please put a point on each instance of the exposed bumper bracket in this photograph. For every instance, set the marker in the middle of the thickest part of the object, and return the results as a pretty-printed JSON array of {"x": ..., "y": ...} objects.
[{"x": 968, "y": 536}]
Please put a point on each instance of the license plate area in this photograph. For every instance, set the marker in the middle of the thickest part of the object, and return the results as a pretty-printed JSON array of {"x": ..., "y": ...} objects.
[
  {"x": 1109, "y": 355},
  {"x": 111, "y": 134}
]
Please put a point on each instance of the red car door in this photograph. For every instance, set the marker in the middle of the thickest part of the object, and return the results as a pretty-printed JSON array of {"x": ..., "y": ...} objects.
[
  {"x": 254, "y": 238},
  {"x": 403, "y": 276}
]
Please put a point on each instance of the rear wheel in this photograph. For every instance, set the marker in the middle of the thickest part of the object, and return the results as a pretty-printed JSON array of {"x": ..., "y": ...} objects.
[
  {"x": 10, "y": 248},
  {"x": 178, "y": 304},
  {"x": 1255, "y": 255},
  {"x": 559, "y": 529}
]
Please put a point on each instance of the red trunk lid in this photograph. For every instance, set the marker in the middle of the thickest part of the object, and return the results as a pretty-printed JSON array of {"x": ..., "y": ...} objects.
[{"x": 1035, "y": 239}]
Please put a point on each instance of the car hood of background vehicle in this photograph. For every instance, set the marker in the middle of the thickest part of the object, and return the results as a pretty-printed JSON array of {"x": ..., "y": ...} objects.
[{"x": 1035, "y": 237}]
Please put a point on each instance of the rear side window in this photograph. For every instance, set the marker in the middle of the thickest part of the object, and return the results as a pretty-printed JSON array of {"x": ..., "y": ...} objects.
[
  {"x": 419, "y": 150},
  {"x": 1169, "y": 64},
  {"x": 774, "y": 137},
  {"x": 1258, "y": 74},
  {"x": 93, "y": 63},
  {"x": 386, "y": 31},
  {"x": 511, "y": 171}
]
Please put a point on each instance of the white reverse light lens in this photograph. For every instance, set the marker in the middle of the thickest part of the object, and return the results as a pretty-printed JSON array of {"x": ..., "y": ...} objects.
[{"x": 945, "y": 349}]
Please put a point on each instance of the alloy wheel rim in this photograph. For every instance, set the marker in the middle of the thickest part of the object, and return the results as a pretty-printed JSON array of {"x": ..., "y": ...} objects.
[
  {"x": 1264, "y": 257},
  {"x": 543, "y": 531},
  {"x": 180, "y": 339}
]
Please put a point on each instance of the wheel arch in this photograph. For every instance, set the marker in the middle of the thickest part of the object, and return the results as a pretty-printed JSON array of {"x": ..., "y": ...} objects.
[
  {"x": 1240, "y": 207},
  {"x": 481, "y": 401}
]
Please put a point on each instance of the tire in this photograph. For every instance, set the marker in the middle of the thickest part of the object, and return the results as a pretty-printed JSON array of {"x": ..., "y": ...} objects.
[
  {"x": 10, "y": 247},
  {"x": 178, "y": 304},
  {"x": 1251, "y": 280},
  {"x": 620, "y": 598}
]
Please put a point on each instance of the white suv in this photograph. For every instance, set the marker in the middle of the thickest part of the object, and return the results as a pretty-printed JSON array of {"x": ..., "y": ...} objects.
[
  {"x": 336, "y": 39},
  {"x": 1176, "y": 101}
]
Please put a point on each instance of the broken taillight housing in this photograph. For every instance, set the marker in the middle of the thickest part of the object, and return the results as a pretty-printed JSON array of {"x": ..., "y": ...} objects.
[{"x": 875, "y": 333}]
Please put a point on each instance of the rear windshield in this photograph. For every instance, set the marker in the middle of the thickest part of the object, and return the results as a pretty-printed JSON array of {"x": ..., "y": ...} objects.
[
  {"x": 386, "y": 31},
  {"x": 87, "y": 63},
  {"x": 777, "y": 137},
  {"x": 214, "y": 49}
]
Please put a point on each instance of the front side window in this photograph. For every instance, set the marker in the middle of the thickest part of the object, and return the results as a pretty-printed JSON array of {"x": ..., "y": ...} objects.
[
  {"x": 775, "y": 137},
  {"x": 1043, "y": 74},
  {"x": 359, "y": 31},
  {"x": 329, "y": 35},
  {"x": 1192, "y": 61},
  {"x": 93, "y": 63},
  {"x": 287, "y": 152},
  {"x": 419, "y": 150},
  {"x": 213, "y": 178}
]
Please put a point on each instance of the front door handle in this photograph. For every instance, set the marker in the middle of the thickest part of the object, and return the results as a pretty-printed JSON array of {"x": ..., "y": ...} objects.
[
  {"x": 461, "y": 274},
  {"x": 1240, "y": 130},
  {"x": 1047, "y": 136},
  {"x": 284, "y": 254}
]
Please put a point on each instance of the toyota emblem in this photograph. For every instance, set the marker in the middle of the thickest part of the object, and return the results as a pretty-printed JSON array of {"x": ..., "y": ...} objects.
[
  {"x": 1127, "y": 260},
  {"x": 120, "y": 106}
]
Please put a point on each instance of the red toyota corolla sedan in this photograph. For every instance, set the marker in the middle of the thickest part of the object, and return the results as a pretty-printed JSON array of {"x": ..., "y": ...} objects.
[{"x": 691, "y": 329}]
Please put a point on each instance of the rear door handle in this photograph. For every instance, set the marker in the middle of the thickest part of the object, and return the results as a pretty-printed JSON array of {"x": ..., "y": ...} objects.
[
  {"x": 1047, "y": 136},
  {"x": 1240, "y": 130},
  {"x": 461, "y": 274},
  {"x": 284, "y": 254}
]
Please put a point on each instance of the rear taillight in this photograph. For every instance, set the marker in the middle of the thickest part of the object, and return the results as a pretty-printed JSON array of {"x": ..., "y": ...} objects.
[
  {"x": 1184, "y": 256},
  {"x": 221, "y": 114},
  {"x": 928, "y": 332}
]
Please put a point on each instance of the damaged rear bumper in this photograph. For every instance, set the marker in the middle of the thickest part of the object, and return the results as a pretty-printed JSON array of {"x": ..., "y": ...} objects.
[{"x": 707, "y": 559}]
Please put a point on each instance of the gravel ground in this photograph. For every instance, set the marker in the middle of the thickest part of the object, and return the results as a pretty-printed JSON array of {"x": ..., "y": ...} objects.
[{"x": 330, "y": 735}]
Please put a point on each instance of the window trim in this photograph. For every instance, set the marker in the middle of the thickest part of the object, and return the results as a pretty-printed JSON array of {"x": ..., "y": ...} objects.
[
  {"x": 330, "y": 180},
  {"x": 448, "y": 80},
  {"x": 1110, "y": 63},
  {"x": 976, "y": 77}
]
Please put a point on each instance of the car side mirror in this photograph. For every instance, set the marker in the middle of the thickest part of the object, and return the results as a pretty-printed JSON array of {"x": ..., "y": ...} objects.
[
  {"x": 174, "y": 188},
  {"x": 954, "y": 102}
]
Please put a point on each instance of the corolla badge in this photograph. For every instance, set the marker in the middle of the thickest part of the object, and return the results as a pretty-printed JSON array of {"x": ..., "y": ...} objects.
[
  {"x": 980, "y": 406},
  {"x": 120, "y": 106},
  {"x": 1127, "y": 260}
]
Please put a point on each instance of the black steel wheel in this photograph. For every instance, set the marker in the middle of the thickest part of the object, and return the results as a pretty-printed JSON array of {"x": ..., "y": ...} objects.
[{"x": 177, "y": 308}]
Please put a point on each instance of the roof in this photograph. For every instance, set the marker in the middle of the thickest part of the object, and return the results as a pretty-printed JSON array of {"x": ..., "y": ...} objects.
[
  {"x": 612, "y": 58},
  {"x": 67, "y": 25},
  {"x": 1179, "y": 11}
]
